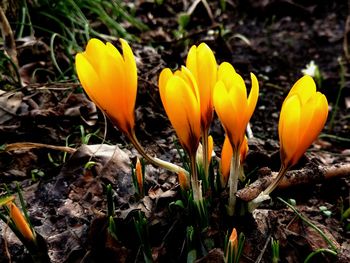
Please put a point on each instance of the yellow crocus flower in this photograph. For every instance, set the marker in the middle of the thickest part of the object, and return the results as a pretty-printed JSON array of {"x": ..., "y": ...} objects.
[
  {"x": 110, "y": 80},
  {"x": 234, "y": 109},
  {"x": 303, "y": 115},
  {"x": 180, "y": 98},
  {"x": 202, "y": 64},
  {"x": 231, "y": 103}
]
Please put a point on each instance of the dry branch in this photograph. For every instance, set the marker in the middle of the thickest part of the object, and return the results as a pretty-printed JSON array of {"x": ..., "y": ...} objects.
[
  {"x": 308, "y": 175},
  {"x": 31, "y": 145}
]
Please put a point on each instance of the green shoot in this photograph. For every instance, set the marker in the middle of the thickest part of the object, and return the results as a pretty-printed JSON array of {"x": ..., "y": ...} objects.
[{"x": 275, "y": 246}]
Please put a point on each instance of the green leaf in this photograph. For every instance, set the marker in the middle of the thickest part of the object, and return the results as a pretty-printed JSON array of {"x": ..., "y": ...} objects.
[
  {"x": 183, "y": 20},
  {"x": 191, "y": 256}
]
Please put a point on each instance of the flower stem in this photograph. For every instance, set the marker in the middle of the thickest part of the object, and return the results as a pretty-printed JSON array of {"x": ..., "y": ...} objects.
[
  {"x": 233, "y": 182},
  {"x": 195, "y": 185},
  {"x": 154, "y": 160},
  {"x": 283, "y": 170},
  {"x": 205, "y": 154},
  {"x": 264, "y": 195}
]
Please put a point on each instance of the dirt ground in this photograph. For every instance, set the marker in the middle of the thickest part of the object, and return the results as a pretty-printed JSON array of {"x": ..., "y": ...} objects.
[{"x": 274, "y": 39}]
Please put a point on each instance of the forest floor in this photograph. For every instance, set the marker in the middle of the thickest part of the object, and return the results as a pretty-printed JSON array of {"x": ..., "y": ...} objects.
[{"x": 66, "y": 201}]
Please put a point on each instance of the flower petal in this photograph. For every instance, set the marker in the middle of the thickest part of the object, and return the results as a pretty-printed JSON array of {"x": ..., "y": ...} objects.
[
  {"x": 305, "y": 87},
  {"x": 130, "y": 75},
  {"x": 164, "y": 77},
  {"x": 183, "y": 111},
  {"x": 313, "y": 118},
  {"x": 288, "y": 128},
  {"x": 225, "y": 73},
  {"x": 223, "y": 108},
  {"x": 225, "y": 162}
]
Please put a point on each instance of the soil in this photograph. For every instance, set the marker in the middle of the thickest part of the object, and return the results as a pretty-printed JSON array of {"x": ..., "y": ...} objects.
[{"x": 67, "y": 202}]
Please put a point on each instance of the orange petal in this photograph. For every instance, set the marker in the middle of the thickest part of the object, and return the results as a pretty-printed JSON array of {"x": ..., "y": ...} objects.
[
  {"x": 20, "y": 222},
  {"x": 225, "y": 162},
  {"x": 210, "y": 147},
  {"x": 244, "y": 149}
]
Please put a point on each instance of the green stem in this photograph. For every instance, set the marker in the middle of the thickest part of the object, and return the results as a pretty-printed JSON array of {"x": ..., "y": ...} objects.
[
  {"x": 283, "y": 170},
  {"x": 205, "y": 154},
  {"x": 265, "y": 194},
  {"x": 321, "y": 250},
  {"x": 154, "y": 160},
  {"x": 196, "y": 188},
  {"x": 233, "y": 182}
]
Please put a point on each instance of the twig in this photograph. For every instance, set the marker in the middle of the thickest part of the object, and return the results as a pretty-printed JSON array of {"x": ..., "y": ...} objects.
[
  {"x": 263, "y": 250},
  {"x": 33, "y": 145},
  {"x": 7, "y": 35},
  {"x": 311, "y": 174}
]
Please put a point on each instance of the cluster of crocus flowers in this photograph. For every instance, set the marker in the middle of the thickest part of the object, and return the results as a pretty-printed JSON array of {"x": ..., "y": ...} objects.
[
  {"x": 234, "y": 109},
  {"x": 110, "y": 80},
  {"x": 303, "y": 115}
]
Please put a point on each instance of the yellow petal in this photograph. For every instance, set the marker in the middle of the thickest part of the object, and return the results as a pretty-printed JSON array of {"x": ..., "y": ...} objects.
[
  {"x": 188, "y": 77},
  {"x": 88, "y": 78},
  {"x": 206, "y": 79},
  {"x": 164, "y": 77},
  {"x": 313, "y": 118},
  {"x": 225, "y": 162},
  {"x": 183, "y": 111},
  {"x": 288, "y": 128},
  {"x": 225, "y": 73},
  {"x": 305, "y": 87},
  {"x": 130, "y": 75},
  {"x": 95, "y": 52},
  {"x": 223, "y": 108},
  {"x": 253, "y": 96},
  {"x": 239, "y": 105},
  {"x": 191, "y": 61}
]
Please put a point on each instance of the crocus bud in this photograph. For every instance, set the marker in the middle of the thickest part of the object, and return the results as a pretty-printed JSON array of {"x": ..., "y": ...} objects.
[
  {"x": 20, "y": 222},
  {"x": 110, "y": 80},
  {"x": 303, "y": 115}
]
